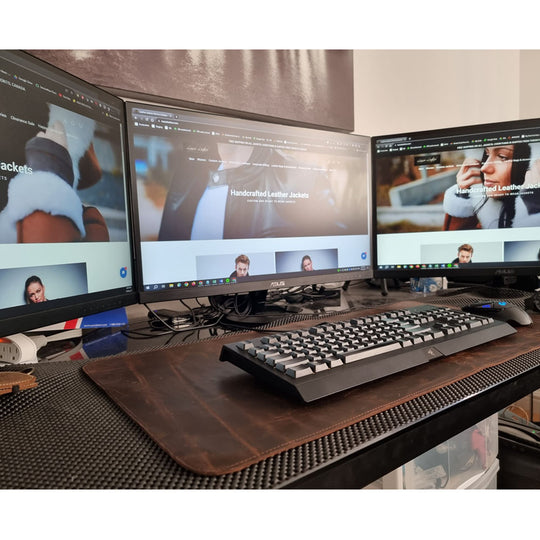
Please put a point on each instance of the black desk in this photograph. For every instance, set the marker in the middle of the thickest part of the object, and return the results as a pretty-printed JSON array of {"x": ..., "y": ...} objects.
[{"x": 68, "y": 434}]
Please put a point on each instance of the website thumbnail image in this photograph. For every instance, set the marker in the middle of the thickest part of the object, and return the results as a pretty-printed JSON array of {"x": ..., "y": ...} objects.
[
  {"x": 494, "y": 186},
  {"x": 200, "y": 188}
]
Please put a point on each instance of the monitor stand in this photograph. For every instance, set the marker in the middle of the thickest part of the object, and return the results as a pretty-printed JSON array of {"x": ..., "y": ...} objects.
[
  {"x": 498, "y": 287},
  {"x": 259, "y": 308},
  {"x": 253, "y": 309}
]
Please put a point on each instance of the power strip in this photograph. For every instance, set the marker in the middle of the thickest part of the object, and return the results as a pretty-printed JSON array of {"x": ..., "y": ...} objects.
[{"x": 20, "y": 348}]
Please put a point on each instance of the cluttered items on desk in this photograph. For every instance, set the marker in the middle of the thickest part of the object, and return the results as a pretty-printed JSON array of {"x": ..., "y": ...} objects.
[
  {"x": 331, "y": 357},
  {"x": 67, "y": 340}
]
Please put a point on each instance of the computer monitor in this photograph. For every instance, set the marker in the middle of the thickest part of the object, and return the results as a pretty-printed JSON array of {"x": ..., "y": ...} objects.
[
  {"x": 64, "y": 204},
  {"x": 227, "y": 205},
  {"x": 461, "y": 202}
]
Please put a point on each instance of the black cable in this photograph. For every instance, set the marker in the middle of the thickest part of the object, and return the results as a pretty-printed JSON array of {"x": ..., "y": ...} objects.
[
  {"x": 238, "y": 304},
  {"x": 184, "y": 328}
]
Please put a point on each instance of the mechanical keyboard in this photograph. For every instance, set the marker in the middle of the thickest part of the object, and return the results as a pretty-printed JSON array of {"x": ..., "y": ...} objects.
[{"x": 330, "y": 357}]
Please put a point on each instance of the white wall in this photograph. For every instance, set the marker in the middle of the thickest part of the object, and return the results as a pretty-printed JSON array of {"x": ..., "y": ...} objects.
[
  {"x": 529, "y": 99},
  {"x": 410, "y": 90}
]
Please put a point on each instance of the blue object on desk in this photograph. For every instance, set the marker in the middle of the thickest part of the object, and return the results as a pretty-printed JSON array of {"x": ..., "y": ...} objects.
[
  {"x": 112, "y": 318},
  {"x": 104, "y": 342}
]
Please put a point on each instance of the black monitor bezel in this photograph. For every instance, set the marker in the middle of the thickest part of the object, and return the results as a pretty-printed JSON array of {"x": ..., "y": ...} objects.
[
  {"x": 19, "y": 319},
  {"x": 465, "y": 273},
  {"x": 247, "y": 285}
]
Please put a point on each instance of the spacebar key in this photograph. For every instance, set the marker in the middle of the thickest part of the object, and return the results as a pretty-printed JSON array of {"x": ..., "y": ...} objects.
[{"x": 354, "y": 356}]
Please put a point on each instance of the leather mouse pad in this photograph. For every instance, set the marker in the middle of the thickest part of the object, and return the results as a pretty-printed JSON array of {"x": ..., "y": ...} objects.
[{"x": 213, "y": 418}]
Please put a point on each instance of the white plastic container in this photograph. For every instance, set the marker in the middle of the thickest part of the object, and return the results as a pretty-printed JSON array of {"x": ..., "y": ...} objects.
[{"x": 466, "y": 461}]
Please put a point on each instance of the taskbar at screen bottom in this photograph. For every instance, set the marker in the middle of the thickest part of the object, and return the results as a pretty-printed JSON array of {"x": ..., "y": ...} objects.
[
  {"x": 277, "y": 280},
  {"x": 419, "y": 266},
  {"x": 510, "y": 266},
  {"x": 496, "y": 273}
]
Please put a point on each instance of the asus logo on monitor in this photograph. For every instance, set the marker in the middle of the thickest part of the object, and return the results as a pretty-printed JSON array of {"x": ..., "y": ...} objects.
[
  {"x": 274, "y": 284},
  {"x": 505, "y": 272}
]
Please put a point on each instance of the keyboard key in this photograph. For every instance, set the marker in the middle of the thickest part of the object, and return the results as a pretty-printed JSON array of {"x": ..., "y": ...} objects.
[
  {"x": 369, "y": 352},
  {"x": 300, "y": 370}
]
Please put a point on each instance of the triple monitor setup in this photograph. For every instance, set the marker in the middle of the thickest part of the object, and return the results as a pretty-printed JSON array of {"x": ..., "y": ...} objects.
[{"x": 107, "y": 202}]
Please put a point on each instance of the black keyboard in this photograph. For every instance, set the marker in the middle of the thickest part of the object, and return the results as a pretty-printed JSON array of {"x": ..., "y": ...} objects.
[{"x": 334, "y": 356}]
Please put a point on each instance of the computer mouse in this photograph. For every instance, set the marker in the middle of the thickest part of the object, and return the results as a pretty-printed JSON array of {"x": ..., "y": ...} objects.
[{"x": 501, "y": 311}]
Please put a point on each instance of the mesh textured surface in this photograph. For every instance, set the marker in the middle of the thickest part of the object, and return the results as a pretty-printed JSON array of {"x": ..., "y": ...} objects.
[
  {"x": 68, "y": 434},
  {"x": 464, "y": 296}
]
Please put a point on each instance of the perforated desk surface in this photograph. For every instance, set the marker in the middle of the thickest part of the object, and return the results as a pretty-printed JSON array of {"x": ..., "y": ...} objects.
[{"x": 67, "y": 433}]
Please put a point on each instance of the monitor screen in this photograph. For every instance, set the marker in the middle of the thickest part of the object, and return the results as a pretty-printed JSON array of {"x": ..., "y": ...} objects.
[
  {"x": 461, "y": 202},
  {"x": 227, "y": 205},
  {"x": 64, "y": 223}
]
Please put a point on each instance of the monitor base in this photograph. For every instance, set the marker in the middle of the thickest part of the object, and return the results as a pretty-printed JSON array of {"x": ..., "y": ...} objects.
[
  {"x": 527, "y": 283},
  {"x": 259, "y": 308}
]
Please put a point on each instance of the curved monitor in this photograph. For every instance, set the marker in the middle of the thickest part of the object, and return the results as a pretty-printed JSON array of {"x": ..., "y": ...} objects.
[
  {"x": 461, "y": 202},
  {"x": 64, "y": 223},
  {"x": 227, "y": 205}
]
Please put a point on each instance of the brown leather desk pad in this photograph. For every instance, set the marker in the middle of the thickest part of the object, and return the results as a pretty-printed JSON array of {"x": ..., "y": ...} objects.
[{"x": 213, "y": 418}]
